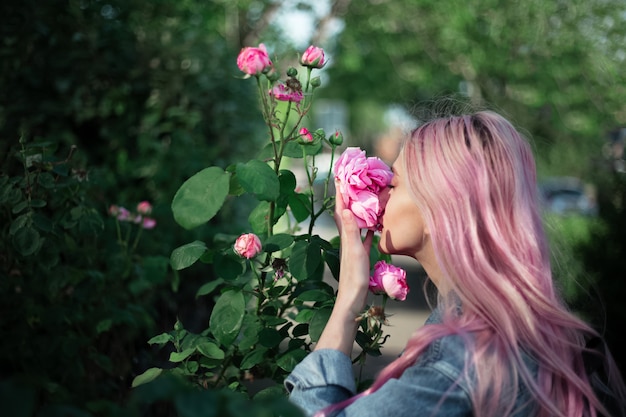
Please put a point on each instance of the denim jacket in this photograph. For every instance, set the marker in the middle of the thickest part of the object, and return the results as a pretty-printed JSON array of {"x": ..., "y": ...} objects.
[{"x": 434, "y": 386}]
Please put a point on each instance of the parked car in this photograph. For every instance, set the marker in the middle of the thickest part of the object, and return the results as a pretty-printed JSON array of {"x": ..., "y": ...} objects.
[{"x": 567, "y": 195}]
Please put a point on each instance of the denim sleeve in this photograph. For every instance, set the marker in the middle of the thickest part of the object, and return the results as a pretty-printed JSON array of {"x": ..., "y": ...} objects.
[{"x": 325, "y": 377}]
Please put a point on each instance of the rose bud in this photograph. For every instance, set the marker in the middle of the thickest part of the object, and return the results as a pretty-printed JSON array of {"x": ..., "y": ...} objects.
[
  {"x": 313, "y": 57},
  {"x": 247, "y": 245},
  {"x": 390, "y": 280}
]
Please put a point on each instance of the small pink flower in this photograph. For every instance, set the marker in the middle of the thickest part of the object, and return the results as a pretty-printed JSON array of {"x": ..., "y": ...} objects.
[
  {"x": 390, "y": 280},
  {"x": 247, "y": 245},
  {"x": 148, "y": 223},
  {"x": 313, "y": 57},
  {"x": 306, "y": 135},
  {"x": 361, "y": 180},
  {"x": 283, "y": 93},
  {"x": 114, "y": 210},
  {"x": 144, "y": 207},
  {"x": 137, "y": 218},
  {"x": 254, "y": 61},
  {"x": 123, "y": 214}
]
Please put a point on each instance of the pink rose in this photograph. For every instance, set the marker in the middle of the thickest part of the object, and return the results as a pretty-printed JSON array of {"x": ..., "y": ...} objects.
[
  {"x": 313, "y": 57},
  {"x": 361, "y": 180},
  {"x": 283, "y": 93},
  {"x": 123, "y": 214},
  {"x": 305, "y": 135},
  {"x": 248, "y": 245},
  {"x": 144, "y": 207},
  {"x": 148, "y": 223},
  {"x": 390, "y": 280},
  {"x": 254, "y": 61}
]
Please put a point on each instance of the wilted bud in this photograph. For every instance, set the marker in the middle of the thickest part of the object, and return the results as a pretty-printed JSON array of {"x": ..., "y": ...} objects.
[
  {"x": 336, "y": 139},
  {"x": 292, "y": 72}
]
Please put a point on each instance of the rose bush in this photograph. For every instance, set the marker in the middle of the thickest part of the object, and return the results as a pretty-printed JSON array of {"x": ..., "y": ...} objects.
[{"x": 271, "y": 299}]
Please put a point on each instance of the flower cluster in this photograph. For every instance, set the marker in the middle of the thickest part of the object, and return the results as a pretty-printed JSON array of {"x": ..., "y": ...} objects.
[
  {"x": 361, "y": 180},
  {"x": 255, "y": 61},
  {"x": 390, "y": 280},
  {"x": 139, "y": 216}
]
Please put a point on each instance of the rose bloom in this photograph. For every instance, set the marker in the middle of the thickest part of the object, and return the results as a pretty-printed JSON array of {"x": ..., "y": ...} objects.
[
  {"x": 390, "y": 280},
  {"x": 247, "y": 245},
  {"x": 144, "y": 207},
  {"x": 283, "y": 93},
  {"x": 254, "y": 61},
  {"x": 361, "y": 180},
  {"x": 313, "y": 57},
  {"x": 306, "y": 135}
]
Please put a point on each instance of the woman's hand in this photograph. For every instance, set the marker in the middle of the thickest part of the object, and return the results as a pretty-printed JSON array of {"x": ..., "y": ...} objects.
[{"x": 341, "y": 328}]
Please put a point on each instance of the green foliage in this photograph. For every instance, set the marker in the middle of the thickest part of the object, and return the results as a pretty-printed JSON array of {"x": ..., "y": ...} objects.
[{"x": 68, "y": 283}]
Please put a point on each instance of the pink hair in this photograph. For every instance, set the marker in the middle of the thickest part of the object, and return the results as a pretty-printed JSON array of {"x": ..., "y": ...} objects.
[{"x": 473, "y": 179}]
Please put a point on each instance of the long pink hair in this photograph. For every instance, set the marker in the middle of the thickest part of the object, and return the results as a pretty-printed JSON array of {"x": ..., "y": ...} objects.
[{"x": 473, "y": 179}]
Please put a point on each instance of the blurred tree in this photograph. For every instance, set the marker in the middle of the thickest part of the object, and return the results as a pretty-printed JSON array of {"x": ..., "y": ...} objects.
[{"x": 556, "y": 68}]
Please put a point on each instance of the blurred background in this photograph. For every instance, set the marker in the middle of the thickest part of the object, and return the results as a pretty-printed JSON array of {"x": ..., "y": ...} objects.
[{"x": 113, "y": 102}]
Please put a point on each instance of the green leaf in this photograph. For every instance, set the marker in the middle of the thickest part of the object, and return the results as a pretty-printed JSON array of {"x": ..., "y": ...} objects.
[
  {"x": 318, "y": 322},
  {"x": 289, "y": 360},
  {"x": 26, "y": 241},
  {"x": 228, "y": 267},
  {"x": 315, "y": 295},
  {"x": 209, "y": 287},
  {"x": 249, "y": 335},
  {"x": 210, "y": 350},
  {"x": 253, "y": 358},
  {"x": 227, "y": 316},
  {"x": 258, "y": 178},
  {"x": 186, "y": 255},
  {"x": 19, "y": 222},
  {"x": 300, "y": 205},
  {"x": 287, "y": 181},
  {"x": 304, "y": 316},
  {"x": 200, "y": 197},
  {"x": 305, "y": 261},
  {"x": 258, "y": 218},
  {"x": 161, "y": 339},
  {"x": 277, "y": 242},
  {"x": 270, "y": 338},
  {"x": 181, "y": 356},
  {"x": 147, "y": 376}
]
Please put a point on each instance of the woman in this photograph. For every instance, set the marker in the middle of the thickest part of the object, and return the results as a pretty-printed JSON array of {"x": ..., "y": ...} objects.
[{"x": 500, "y": 342}]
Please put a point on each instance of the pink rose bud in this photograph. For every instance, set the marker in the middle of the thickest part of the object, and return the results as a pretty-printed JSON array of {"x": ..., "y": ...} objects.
[
  {"x": 305, "y": 135},
  {"x": 336, "y": 139},
  {"x": 247, "y": 245},
  {"x": 313, "y": 57},
  {"x": 114, "y": 210},
  {"x": 144, "y": 207},
  {"x": 148, "y": 223},
  {"x": 361, "y": 180},
  {"x": 390, "y": 280},
  {"x": 283, "y": 93},
  {"x": 123, "y": 214},
  {"x": 254, "y": 61}
]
